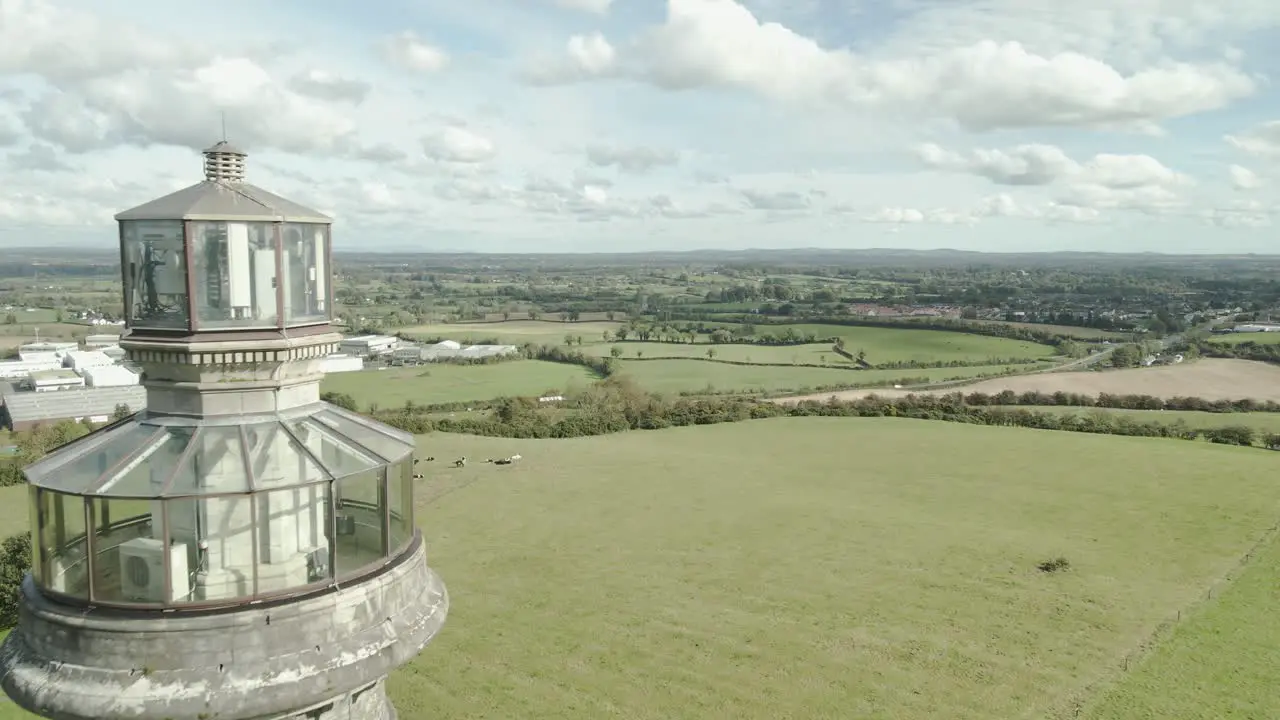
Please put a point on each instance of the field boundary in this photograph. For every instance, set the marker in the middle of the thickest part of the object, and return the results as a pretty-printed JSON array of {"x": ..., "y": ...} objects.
[{"x": 1091, "y": 693}]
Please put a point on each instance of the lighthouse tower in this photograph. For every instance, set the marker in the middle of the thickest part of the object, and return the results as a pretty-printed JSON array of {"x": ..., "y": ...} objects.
[{"x": 240, "y": 549}]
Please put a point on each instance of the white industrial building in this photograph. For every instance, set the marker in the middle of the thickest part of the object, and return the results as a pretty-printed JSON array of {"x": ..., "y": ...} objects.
[
  {"x": 21, "y": 369},
  {"x": 108, "y": 376},
  {"x": 98, "y": 342},
  {"x": 79, "y": 360},
  {"x": 449, "y": 350},
  {"x": 50, "y": 380},
  {"x": 48, "y": 347},
  {"x": 369, "y": 345},
  {"x": 341, "y": 363}
]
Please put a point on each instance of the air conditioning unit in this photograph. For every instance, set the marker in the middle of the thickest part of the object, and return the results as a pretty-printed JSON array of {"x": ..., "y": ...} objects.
[{"x": 142, "y": 571}]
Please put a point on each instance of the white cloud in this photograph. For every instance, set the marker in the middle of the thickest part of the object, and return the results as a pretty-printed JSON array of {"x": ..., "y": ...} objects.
[
  {"x": 328, "y": 86},
  {"x": 1263, "y": 139},
  {"x": 596, "y": 7},
  {"x": 708, "y": 124},
  {"x": 406, "y": 51},
  {"x": 631, "y": 160},
  {"x": 983, "y": 86},
  {"x": 1105, "y": 181},
  {"x": 458, "y": 145},
  {"x": 1242, "y": 178}
]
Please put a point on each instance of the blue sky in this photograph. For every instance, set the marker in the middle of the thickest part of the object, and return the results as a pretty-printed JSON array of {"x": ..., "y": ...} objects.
[{"x": 624, "y": 125}]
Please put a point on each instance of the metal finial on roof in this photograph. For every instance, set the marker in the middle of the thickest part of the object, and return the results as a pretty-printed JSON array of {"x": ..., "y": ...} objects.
[{"x": 224, "y": 162}]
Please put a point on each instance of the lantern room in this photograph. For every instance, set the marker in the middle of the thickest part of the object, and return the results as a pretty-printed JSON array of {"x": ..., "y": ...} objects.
[
  {"x": 224, "y": 255},
  {"x": 173, "y": 512}
]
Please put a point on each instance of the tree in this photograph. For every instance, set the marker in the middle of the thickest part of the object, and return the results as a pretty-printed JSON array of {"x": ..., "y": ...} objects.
[
  {"x": 615, "y": 351},
  {"x": 121, "y": 412},
  {"x": 15, "y": 562},
  {"x": 11, "y": 319},
  {"x": 711, "y": 353},
  {"x": 342, "y": 400},
  {"x": 568, "y": 340},
  {"x": 861, "y": 357},
  {"x": 533, "y": 314}
]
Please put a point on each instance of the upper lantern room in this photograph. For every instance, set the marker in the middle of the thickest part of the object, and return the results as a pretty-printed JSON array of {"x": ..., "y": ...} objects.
[{"x": 224, "y": 255}]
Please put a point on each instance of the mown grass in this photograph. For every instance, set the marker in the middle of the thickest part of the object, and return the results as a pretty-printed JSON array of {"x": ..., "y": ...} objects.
[
  {"x": 1262, "y": 338},
  {"x": 818, "y": 567},
  {"x": 1221, "y": 662},
  {"x": 446, "y": 383},
  {"x": 675, "y": 376},
  {"x": 1263, "y": 422},
  {"x": 884, "y": 345},
  {"x": 516, "y": 332},
  {"x": 812, "y": 354}
]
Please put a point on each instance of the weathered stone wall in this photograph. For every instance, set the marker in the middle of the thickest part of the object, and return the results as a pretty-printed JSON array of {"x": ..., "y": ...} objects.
[{"x": 268, "y": 661}]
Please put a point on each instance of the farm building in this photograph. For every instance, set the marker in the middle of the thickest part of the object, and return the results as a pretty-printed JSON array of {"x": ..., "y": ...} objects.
[
  {"x": 368, "y": 345},
  {"x": 341, "y": 363},
  {"x": 20, "y": 369},
  {"x": 97, "y": 342},
  {"x": 27, "y": 410},
  {"x": 79, "y": 360},
  {"x": 52, "y": 380},
  {"x": 1255, "y": 327},
  {"x": 109, "y": 376},
  {"x": 447, "y": 345}
]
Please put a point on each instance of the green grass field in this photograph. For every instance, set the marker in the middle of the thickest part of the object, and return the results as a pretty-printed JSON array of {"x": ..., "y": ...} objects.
[
  {"x": 749, "y": 571},
  {"x": 1221, "y": 662},
  {"x": 884, "y": 345},
  {"x": 674, "y": 376},
  {"x": 446, "y": 383},
  {"x": 1262, "y": 338},
  {"x": 699, "y": 572},
  {"x": 516, "y": 332},
  {"x": 814, "y": 354},
  {"x": 1261, "y": 421}
]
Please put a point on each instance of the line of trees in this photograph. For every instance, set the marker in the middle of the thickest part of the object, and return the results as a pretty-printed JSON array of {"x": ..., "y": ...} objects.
[{"x": 616, "y": 405}]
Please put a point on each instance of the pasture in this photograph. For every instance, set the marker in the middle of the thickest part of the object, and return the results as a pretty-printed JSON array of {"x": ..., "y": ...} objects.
[
  {"x": 697, "y": 572},
  {"x": 447, "y": 383},
  {"x": 1262, "y": 422},
  {"x": 1208, "y": 378},
  {"x": 677, "y": 376},
  {"x": 1261, "y": 338},
  {"x": 694, "y": 572},
  {"x": 812, "y": 354},
  {"x": 886, "y": 345},
  {"x": 515, "y": 332},
  {"x": 1220, "y": 662}
]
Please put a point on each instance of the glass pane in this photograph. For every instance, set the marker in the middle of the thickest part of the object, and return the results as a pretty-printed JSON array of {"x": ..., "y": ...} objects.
[
  {"x": 215, "y": 538},
  {"x": 359, "y": 508},
  {"x": 387, "y": 447},
  {"x": 155, "y": 275},
  {"x": 304, "y": 274},
  {"x": 400, "y": 502},
  {"x": 35, "y": 499},
  {"x": 338, "y": 455},
  {"x": 235, "y": 274},
  {"x": 79, "y": 473},
  {"x": 215, "y": 465},
  {"x": 278, "y": 461},
  {"x": 293, "y": 538},
  {"x": 50, "y": 466},
  {"x": 149, "y": 469},
  {"x": 62, "y": 544},
  {"x": 123, "y": 529}
]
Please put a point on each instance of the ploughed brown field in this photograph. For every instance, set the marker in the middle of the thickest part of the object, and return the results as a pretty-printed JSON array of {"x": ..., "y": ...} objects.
[{"x": 1211, "y": 379}]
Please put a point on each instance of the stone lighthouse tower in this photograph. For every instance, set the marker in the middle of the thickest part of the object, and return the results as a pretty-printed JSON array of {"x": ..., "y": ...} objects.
[{"x": 240, "y": 550}]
